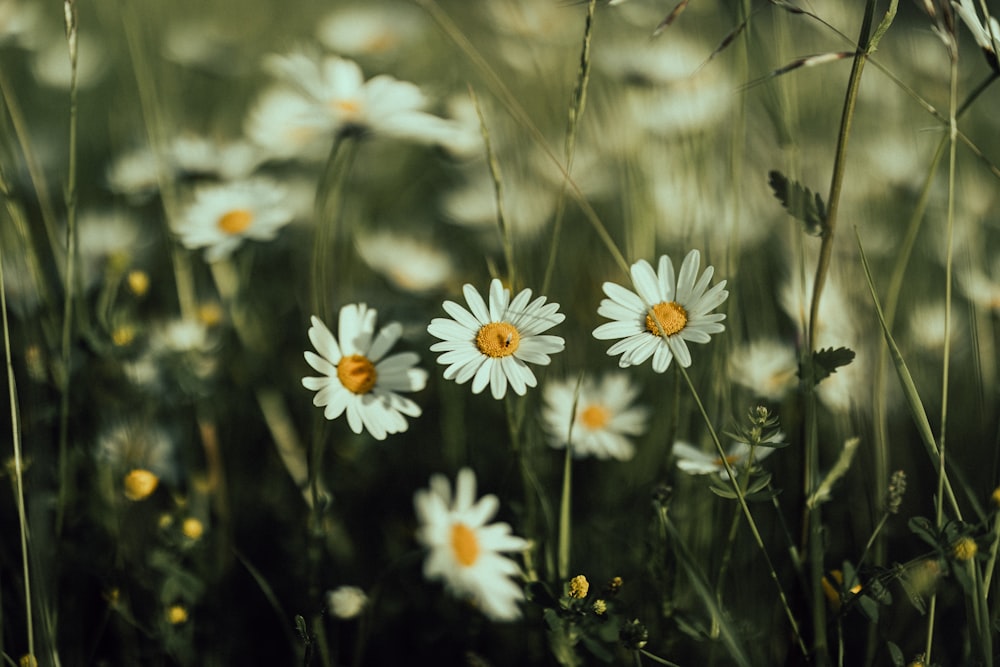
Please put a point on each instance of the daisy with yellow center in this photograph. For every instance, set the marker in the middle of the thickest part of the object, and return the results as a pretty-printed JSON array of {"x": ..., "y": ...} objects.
[
  {"x": 466, "y": 553},
  {"x": 221, "y": 216},
  {"x": 603, "y": 420},
  {"x": 663, "y": 314},
  {"x": 329, "y": 96},
  {"x": 694, "y": 461},
  {"x": 357, "y": 376},
  {"x": 492, "y": 345}
]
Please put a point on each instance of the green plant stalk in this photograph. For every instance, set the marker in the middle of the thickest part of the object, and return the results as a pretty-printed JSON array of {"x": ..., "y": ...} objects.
[
  {"x": 811, "y": 461},
  {"x": 565, "y": 504},
  {"x": 657, "y": 659},
  {"x": 703, "y": 589},
  {"x": 906, "y": 381},
  {"x": 328, "y": 210},
  {"x": 992, "y": 559},
  {"x": 69, "y": 293},
  {"x": 506, "y": 237},
  {"x": 15, "y": 425},
  {"x": 746, "y": 511},
  {"x": 528, "y": 483},
  {"x": 946, "y": 353},
  {"x": 575, "y": 112}
]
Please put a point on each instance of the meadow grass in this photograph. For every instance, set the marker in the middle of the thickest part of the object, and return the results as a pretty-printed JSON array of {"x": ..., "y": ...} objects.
[{"x": 363, "y": 333}]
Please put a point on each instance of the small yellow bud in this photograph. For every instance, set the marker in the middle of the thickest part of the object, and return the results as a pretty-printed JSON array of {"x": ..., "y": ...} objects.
[
  {"x": 995, "y": 496},
  {"x": 140, "y": 484},
  {"x": 192, "y": 528},
  {"x": 964, "y": 548},
  {"x": 600, "y": 607},
  {"x": 138, "y": 282},
  {"x": 27, "y": 660},
  {"x": 123, "y": 335},
  {"x": 579, "y": 587},
  {"x": 210, "y": 314},
  {"x": 177, "y": 614}
]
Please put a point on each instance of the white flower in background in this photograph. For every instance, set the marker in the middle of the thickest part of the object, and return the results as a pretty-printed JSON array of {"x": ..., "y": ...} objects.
[
  {"x": 464, "y": 551},
  {"x": 409, "y": 264},
  {"x": 528, "y": 204},
  {"x": 492, "y": 344},
  {"x": 134, "y": 445},
  {"x": 346, "y": 602},
  {"x": 134, "y": 174},
  {"x": 51, "y": 65},
  {"x": 227, "y": 160},
  {"x": 694, "y": 461},
  {"x": 926, "y": 326},
  {"x": 106, "y": 238},
  {"x": 370, "y": 29},
  {"x": 285, "y": 125},
  {"x": 767, "y": 367},
  {"x": 682, "y": 310},
  {"x": 222, "y": 216},
  {"x": 357, "y": 376},
  {"x": 18, "y": 19},
  {"x": 987, "y": 35},
  {"x": 334, "y": 95},
  {"x": 603, "y": 419}
]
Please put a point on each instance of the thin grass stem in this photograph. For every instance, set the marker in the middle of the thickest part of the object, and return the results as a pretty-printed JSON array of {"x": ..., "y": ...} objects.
[{"x": 746, "y": 512}]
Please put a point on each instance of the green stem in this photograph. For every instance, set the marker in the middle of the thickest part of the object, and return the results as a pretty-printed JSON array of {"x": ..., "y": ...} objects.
[
  {"x": 746, "y": 511},
  {"x": 328, "y": 210},
  {"x": 22, "y": 516}
]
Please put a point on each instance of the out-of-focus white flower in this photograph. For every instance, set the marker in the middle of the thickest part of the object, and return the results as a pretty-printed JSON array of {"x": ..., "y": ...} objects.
[
  {"x": 409, "y": 264},
  {"x": 346, "y": 602},
  {"x": 491, "y": 344},
  {"x": 330, "y": 96},
  {"x": 603, "y": 419},
  {"x": 51, "y": 65},
  {"x": 17, "y": 22},
  {"x": 682, "y": 309},
  {"x": 134, "y": 174},
  {"x": 228, "y": 160},
  {"x": 464, "y": 550},
  {"x": 222, "y": 216},
  {"x": 285, "y": 124},
  {"x": 371, "y": 29},
  {"x": 113, "y": 237},
  {"x": 694, "y": 461},
  {"x": 357, "y": 376},
  {"x": 528, "y": 206},
  {"x": 132, "y": 444},
  {"x": 926, "y": 325},
  {"x": 986, "y": 34},
  {"x": 767, "y": 367}
]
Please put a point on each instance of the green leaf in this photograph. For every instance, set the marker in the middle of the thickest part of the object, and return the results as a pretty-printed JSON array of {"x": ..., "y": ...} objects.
[
  {"x": 869, "y": 608},
  {"x": 896, "y": 654},
  {"x": 924, "y": 529},
  {"x": 800, "y": 202},
  {"x": 825, "y": 362}
]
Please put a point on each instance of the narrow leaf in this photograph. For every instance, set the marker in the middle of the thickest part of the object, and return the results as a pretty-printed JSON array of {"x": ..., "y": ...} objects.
[{"x": 800, "y": 202}]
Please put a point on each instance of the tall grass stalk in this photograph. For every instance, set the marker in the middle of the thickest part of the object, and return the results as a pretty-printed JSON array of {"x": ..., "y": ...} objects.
[
  {"x": 740, "y": 497},
  {"x": 514, "y": 108},
  {"x": 69, "y": 279},
  {"x": 565, "y": 502},
  {"x": 328, "y": 208},
  {"x": 576, "y": 108},
  {"x": 22, "y": 517}
]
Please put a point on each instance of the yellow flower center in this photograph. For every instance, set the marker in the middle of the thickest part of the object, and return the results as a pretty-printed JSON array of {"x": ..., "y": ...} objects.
[
  {"x": 464, "y": 544},
  {"x": 357, "y": 374},
  {"x": 140, "y": 484},
  {"x": 671, "y": 316},
  {"x": 595, "y": 417},
  {"x": 349, "y": 107},
  {"x": 236, "y": 221},
  {"x": 964, "y": 549},
  {"x": 498, "y": 339},
  {"x": 731, "y": 460}
]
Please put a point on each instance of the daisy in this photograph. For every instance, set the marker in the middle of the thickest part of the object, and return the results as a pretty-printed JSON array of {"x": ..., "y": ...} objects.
[
  {"x": 490, "y": 345},
  {"x": 465, "y": 552},
  {"x": 602, "y": 420},
  {"x": 693, "y": 461},
  {"x": 409, "y": 264},
  {"x": 357, "y": 376},
  {"x": 336, "y": 96},
  {"x": 663, "y": 313},
  {"x": 223, "y": 215},
  {"x": 767, "y": 367}
]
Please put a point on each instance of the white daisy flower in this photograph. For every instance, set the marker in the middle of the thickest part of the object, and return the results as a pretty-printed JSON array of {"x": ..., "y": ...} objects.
[
  {"x": 693, "y": 461},
  {"x": 465, "y": 552},
  {"x": 346, "y": 602},
  {"x": 408, "y": 263},
  {"x": 357, "y": 376},
  {"x": 603, "y": 419},
  {"x": 658, "y": 319},
  {"x": 222, "y": 216},
  {"x": 490, "y": 345},
  {"x": 338, "y": 97},
  {"x": 371, "y": 30}
]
